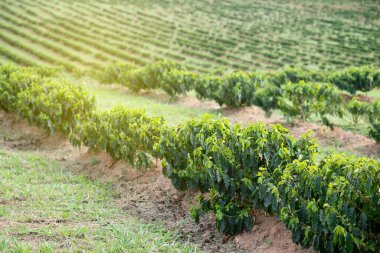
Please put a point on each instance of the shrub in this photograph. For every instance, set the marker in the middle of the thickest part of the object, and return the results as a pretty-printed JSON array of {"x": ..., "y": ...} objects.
[
  {"x": 234, "y": 90},
  {"x": 207, "y": 87},
  {"x": 124, "y": 134},
  {"x": 237, "y": 89},
  {"x": 356, "y": 79},
  {"x": 176, "y": 82},
  {"x": 150, "y": 76},
  {"x": 266, "y": 97},
  {"x": 373, "y": 111},
  {"x": 113, "y": 73},
  {"x": 374, "y": 130},
  {"x": 211, "y": 156},
  {"x": 53, "y": 105},
  {"x": 301, "y": 100},
  {"x": 294, "y": 75},
  {"x": 333, "y": 205},
  {"x": 357, "y": 109},
  {"x": 13, "y": 80}
]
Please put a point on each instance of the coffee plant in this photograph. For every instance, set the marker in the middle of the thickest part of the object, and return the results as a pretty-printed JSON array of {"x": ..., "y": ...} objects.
[
  {"x": 211, "y": 156},
  {"x": 207, "y": 87},
  {"x": 266, "y": 97},
  {"x": 237, "y": 89},
  {"x": 356, "y": 79},
  {"x": 125, "y": 134},
  {"x": 301, "y": 100},
  {"x": 294, "y": 75},
  {"x": 113, "y": 73},
  {"x": 373, "y": 111},
  {"x": 178, "y": 82},
  {"x": 54, "y": 104},
  {"x": 357, "y": 109},
  {"x": 333, "y": 205},
  {"x": 13, "y": 80},
  {"x": 149, "y": 77},
  {"x": 241, "y": 89},
  {"x": 374, "y": 130},
  {"x": 234, "y": 90},
  {"x": 370, "y": 111}
]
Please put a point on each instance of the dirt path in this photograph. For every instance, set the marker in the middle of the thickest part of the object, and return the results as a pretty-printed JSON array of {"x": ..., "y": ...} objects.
[{"x": 146, "y": 194}]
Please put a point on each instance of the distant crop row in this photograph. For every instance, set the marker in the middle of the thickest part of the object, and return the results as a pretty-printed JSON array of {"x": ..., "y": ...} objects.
[
  {"x": 296, "y": 93},
  {"x": 124, "y": 31},
  {"x": 332, "y": 204}
]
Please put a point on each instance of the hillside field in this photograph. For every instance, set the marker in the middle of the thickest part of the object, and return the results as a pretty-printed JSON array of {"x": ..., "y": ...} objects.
[
  {"x": 189, "y": 126},
  {"x": 203, "y": 35}
]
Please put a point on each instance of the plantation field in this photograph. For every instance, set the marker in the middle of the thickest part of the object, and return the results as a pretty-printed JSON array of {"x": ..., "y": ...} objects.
[
  {"x": 189, "y": 126},
  {"x": 202, "y": 35}
]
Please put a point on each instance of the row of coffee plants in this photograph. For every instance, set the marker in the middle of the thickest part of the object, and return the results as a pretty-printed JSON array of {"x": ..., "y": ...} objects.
[
  {"x": 124, "y": 134},
  {"x": 67, "y": 108},
  {"x": 169, "y": 76},
  {"x": 155, "y": 75},
  {"x": 268, "y": 91},
  {"x": 352, "y": 79},
  {"x": 292, "y": 91},
  {"x": 332, "y": 204},
  {"x": 48, "y": 103}
]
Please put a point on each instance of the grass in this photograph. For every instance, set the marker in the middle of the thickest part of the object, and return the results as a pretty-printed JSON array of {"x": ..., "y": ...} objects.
[
  {"x": 45, "y": 208},
  {"x": 155, "y": 104},
  {"x": 375, "y": 93}
]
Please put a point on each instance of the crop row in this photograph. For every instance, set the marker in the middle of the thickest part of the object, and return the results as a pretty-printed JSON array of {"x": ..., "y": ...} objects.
[
  {"x": 255, "y": 42},
  {"x": 296, "y": 93},
  {"x": 332, "y": 204}
]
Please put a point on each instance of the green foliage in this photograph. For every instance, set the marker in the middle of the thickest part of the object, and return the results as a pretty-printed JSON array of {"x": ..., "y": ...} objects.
[
  {"x": 266, "y": 97},
  {"x": 104, "y": 31},
  {"x": 187, "y": 141},
  {"x": 234, "y": 90},
  {"x": 357, "y": 109},
  {"x": 374, "y": 130},
  {"x": 124, "y": 134},
  {"x": 208, "y": 86},
  {"x": 294, "y": 75},
  {"x": 356, "y": 79},
  {"x": 237, "y": 89},
  {"x": 268, "y": 91},
  {"x": 333, "y": 205},
  {"x": 150, "y": 77},
  {"x": 211, "y": 156},
  {"x": 370, "y": 111},
  {"x": 54, "y": 104},
  {"x": 178, "y": 81},
  {"x": 301, "y": 100},
  {"x": 12, "y": 81},
  {"x": 113, "y": 73},
  {"x": 373, "y": 111}
]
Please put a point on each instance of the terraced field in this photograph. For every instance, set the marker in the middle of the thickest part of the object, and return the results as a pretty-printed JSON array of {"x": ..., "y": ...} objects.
[{"x": 203, "y": 35}]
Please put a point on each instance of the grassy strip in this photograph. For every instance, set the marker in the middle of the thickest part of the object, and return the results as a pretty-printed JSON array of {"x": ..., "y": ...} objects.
[{"x": 45, "y": 208}]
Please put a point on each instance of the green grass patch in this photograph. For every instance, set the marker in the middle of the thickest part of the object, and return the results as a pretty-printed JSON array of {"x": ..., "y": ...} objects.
[
  {"x": 155, "y": 105},
  {"x": 46, "y": 208}
]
